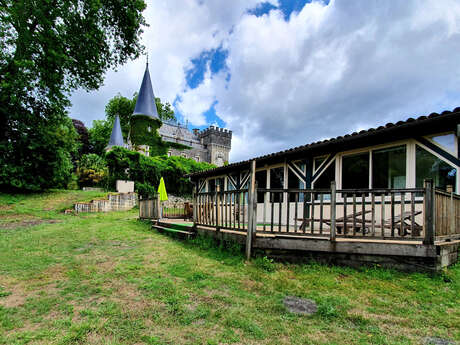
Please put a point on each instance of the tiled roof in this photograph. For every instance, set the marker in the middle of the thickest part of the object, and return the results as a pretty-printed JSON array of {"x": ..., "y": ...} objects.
[{"x": 423, "y": 122}]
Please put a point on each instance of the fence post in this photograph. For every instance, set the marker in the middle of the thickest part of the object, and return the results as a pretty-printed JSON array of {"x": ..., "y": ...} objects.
[
  {"x": 429, "y": 212},
  {"x": 159, "y": 210},
  {"x": 252, "y": 207},
  {"x": 452, "y": 217},
  {"x": 217, "y": 208},
  {"x": 195, "y": 202},
  {"x": 333, "y": 211}
]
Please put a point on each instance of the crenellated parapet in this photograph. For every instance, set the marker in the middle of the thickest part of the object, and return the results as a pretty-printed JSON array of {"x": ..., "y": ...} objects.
[{"x": 216, "y": 135}]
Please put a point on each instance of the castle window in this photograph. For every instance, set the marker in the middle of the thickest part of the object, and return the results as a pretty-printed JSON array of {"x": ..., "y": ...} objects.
[{"x": 197, "y": 158}]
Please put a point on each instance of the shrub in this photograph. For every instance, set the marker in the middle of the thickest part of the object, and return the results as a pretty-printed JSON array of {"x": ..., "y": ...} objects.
[
  {"x": 146, "y": 171},
  {"x": 92, "y": 170}
]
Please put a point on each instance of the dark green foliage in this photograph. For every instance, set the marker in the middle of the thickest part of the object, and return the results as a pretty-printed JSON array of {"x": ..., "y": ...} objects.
[
  {"x": 92, "y": 171},
  {"x": 48, "y": 49},
  {"x": 82, "y": 139},
  {"x": 37, "y": 157},
  {"x": 144, "y": 131},
  {"x": 99, "y": 136},
  {"x": 147, "y": 171}
]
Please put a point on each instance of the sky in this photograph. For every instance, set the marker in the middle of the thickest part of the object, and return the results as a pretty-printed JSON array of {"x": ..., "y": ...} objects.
[{"x": 283, "y": 73}]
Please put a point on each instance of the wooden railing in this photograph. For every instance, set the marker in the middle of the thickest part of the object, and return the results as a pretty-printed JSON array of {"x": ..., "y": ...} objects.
[
  {"x": 357, "y": 213},
  {"x": 388, "y": 214},
  {"x": 149, "y": 208},
  {"x": 223, "y": 210},
  {"x": 180, "y": 210},
  {"x": 447, "y": 215}
]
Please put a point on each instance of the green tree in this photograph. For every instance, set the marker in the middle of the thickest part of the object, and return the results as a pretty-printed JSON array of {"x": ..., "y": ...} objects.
[
  {"x": 92, "y": 170},
  {"x": 99, "y": 135},
  {"x": 50, "y": 48}
]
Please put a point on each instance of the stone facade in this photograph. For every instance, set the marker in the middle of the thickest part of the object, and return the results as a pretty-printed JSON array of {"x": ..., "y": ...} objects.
[{"x": 211, "y": 145}]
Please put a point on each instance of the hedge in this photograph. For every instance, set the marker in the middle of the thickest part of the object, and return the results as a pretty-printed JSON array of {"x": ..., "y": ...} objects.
[{"x": 146, "y": 171}]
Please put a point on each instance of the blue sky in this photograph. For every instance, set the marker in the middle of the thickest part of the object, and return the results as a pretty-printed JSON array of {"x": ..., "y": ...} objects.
[
  {"x": 216, "y": 58},
  {"x": 282, "y": 73}
]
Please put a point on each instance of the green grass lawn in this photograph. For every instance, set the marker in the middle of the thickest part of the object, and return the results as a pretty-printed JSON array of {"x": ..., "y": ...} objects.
[{"x": 109, "y": 279}]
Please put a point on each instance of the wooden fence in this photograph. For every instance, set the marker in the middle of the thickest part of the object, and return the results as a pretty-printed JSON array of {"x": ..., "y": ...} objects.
[
  {"x": 181, "y": 210},
  {"x": 386, "y": 214},
  {"x": 359, "y": 213},
  {"x": 447, "y": 215},
  {"x": 149, "y": 208},
  {"x": 223, "y": 210},
  {"x": 365, "y": 213}
]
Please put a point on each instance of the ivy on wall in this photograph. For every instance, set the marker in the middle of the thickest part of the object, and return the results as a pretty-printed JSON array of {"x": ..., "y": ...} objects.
[{"x": 146, "y": 171}]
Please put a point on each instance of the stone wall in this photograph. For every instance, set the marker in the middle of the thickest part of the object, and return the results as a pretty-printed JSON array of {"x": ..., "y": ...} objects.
[
  {"x": 175, "y": 201},
  {"x": 114, "y": 202}
]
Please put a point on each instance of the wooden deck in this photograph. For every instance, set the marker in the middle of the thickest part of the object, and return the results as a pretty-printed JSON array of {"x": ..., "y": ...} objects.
[{"x": 415, "y": 229}]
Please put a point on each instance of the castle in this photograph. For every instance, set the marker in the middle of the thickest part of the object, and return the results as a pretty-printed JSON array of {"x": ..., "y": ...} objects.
[{"x": 211, "y": 145}]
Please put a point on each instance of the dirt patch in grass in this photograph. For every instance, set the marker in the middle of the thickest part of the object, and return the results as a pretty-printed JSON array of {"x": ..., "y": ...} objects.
[
  {"x": 26, "y": 223},
  {"x": 17, "y": 297}
]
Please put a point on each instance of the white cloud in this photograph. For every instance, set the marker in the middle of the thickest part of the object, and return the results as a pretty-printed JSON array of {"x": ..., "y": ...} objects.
[
  {"x": 332, "y": 69},
  {"x": 326, "y": 71},
  {"x": 179, "y": 31}
]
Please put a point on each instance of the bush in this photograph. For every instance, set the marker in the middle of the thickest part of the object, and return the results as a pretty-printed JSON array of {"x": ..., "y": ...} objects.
[
  {"x": 147, "y": 171},
  {"x": 92, "y": 171}
]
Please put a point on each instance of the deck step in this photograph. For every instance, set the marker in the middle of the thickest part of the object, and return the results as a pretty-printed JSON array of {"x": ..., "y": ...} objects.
[{"x": 179, "y": 233}]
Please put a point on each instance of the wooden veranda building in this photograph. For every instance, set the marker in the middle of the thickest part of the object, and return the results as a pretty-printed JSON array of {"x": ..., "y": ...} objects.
[{"x": 387, "y": 195}]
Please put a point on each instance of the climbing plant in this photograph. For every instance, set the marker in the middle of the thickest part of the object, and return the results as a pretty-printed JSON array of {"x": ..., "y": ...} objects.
[{"x": 146, "y": 171}]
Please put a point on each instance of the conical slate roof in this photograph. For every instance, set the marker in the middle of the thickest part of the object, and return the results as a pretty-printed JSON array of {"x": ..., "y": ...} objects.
[
  {"x": 116, "y": 138},
  {"x": 145, "y": 104}
]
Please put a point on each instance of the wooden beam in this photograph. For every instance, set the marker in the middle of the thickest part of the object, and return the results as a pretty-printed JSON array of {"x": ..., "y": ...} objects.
[
  {"x": 252, "y": 209},
  {"x": 323, "y": 166},
  {"x": 429, "y": 212},
  {"x": 449, "y": 157}
]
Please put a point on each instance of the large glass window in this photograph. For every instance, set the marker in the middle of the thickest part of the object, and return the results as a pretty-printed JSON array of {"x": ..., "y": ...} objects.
[
  {"x": 447, "y": 141},
  {"x": 318, "y": 162},
  {"x": 261, "y": 179},
  {"x": 324, "y": 181},
  {"x": 220, "y": 183},
  {"x": 212, "y": 185},
  {"x": 277, "y": 182},
  {"x": 428, "y": 165},
  {"x": 295, "y": 183},
  {"x": 389, "y": 167},
  {"x": 355, "y": 171}
]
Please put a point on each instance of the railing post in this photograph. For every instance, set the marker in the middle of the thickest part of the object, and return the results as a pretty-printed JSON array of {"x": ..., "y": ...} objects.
[
  {"x": 217, "y": 208},
  {"x": 333, "y": 211},
  {"x": 158, "y": 204},
  {"x": 452, "y": 216},
  {"x": 429, "y": 225},
  {"x": 195, "y": 203},
  {"x": 252, "y": 209}
]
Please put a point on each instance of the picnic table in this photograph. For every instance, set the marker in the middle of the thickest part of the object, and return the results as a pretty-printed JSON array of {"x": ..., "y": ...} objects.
[{"x": 355, "y": 221}]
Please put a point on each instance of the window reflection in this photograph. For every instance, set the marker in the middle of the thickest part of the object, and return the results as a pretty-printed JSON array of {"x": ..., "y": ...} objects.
[{"x": 429, "y": 166}]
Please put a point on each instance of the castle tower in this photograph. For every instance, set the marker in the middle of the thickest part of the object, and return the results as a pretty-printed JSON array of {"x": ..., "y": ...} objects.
[
  {"x": 116, "y": 138},
  {"x": 145, "y": 104},
  {"x": 218, "y": 142}
]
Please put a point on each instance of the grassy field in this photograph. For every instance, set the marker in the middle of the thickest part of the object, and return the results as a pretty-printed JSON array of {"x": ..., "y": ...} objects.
[{"x": 109, "y": 279}]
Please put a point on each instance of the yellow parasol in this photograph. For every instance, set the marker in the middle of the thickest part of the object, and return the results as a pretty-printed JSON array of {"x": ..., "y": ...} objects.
[{"x": 162, "y": 190}]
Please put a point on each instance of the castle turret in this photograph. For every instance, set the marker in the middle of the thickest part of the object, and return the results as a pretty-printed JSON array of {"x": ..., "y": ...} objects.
[
  {"x": 218, "y": 141},
  {"x": 116, "y": 138},
  {"x": 145, "y": 104}
]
